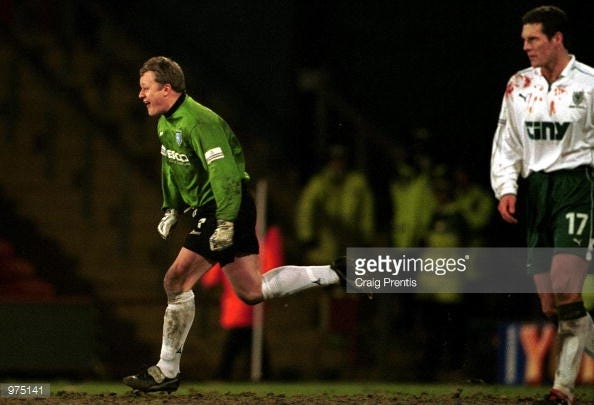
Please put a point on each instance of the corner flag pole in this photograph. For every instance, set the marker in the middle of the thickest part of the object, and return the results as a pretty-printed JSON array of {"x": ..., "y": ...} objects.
[{"x": 258, "y": 319}]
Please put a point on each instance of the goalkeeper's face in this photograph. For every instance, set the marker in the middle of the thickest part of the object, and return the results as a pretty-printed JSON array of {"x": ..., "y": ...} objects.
[{"x": 157, "y": 97}]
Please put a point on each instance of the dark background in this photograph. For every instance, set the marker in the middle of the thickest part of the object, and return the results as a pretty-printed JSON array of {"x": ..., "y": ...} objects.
[
  {"x": 390, "y": 67},
  {"x": 436, "y": 64}
]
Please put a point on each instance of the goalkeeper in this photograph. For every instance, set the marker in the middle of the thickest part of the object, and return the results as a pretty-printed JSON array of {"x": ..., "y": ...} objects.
[{"x": 203, "y": 173}]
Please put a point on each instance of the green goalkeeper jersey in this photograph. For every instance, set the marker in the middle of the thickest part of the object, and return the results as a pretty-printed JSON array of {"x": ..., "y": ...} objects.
[{"x": 202, "y": 160}]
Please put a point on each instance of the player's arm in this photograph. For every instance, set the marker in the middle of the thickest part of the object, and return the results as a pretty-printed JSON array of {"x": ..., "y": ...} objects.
[
  {"x": 172, "y": 201},
  {"x": 225, "y": 175},
  {"x": 172, "y": 198},
  {"x": 506, "y": 162}
]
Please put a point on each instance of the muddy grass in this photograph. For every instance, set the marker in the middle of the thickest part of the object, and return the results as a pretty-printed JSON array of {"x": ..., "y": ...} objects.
[{"x": 212, "y": 398}]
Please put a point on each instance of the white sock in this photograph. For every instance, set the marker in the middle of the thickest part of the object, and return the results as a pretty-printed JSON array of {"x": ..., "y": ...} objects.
[
  {"x": 288, "y": 280},
  {"x": 572, "y": 337},
  {"x": 177, "y": 322},
  {"x": 589, "y": 348}
]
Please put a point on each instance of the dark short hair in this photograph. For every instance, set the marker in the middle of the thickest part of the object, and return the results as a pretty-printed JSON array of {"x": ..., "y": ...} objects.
[
  {"x": 166, "y": 70},
  {"x": 552, "y": 18}
]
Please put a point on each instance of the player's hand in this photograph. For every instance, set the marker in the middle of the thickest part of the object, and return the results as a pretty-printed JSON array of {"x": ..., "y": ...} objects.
[
  {"x": 222, "y": 237},
  {"x": 167, "y": 223},
  {"x": 507, "y": 208}
]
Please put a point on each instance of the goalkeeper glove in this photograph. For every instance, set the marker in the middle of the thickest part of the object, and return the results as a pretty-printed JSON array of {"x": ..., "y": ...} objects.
[
  {"x": 167, "y": 223},
  {"x": 222, "y": 237}
]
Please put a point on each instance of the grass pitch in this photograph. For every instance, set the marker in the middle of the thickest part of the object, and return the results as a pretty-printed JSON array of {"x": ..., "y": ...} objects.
[{"x": 312, "y": 393}]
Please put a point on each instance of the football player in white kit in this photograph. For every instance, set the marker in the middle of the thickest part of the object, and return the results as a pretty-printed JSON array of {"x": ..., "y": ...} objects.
[{"x": 545, "y": 134}]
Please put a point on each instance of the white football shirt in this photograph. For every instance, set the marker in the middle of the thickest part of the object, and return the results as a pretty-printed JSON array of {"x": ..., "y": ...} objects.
[{"x": 543, "y": 127}]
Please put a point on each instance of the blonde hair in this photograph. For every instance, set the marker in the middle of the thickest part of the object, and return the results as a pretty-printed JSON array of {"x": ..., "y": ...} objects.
[{"x": 167, "y": 71}]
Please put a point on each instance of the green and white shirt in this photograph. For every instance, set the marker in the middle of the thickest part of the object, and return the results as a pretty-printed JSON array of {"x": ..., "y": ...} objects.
[
  {"x": 543, "y": 127},
  {"x": 202, "y": 160}
]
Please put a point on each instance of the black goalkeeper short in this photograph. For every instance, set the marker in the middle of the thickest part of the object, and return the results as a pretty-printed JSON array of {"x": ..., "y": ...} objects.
[{"x": 245, "y": 241}]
